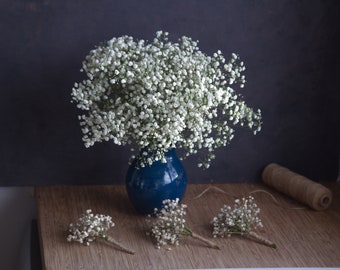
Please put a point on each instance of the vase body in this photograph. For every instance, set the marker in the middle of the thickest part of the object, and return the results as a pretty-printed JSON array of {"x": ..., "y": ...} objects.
[{"x": 148, "y": 186}]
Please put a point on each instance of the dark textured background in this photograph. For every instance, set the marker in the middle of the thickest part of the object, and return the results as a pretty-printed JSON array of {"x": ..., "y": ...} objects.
[{"x": 291, "y": 50}]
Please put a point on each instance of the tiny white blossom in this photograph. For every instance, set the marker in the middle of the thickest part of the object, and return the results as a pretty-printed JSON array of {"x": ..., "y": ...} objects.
[
  {"x": 90, "y": 227},
  {"x": 238, "y": 220},
  {"x": 162, "y": 95},
  {"x": 242, "y": 219},
  {"x": 169, "y": 225}
]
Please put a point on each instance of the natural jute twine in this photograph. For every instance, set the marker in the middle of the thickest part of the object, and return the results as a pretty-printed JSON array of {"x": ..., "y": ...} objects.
[
  {"x": 297, "y": 186},
  {"x": 217, "y": 189}
]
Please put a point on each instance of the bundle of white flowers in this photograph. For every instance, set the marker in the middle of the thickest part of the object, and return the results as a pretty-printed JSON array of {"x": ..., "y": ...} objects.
[
  {"x": 90, "y": 227},
  {"x": 241, "y": 220},
  {"x": 161, "y": 95},
  {"x": 169, "y": 225}
]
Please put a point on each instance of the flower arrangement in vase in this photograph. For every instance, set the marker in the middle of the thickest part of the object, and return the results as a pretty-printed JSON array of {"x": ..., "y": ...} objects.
[{"x": 161, "y": 95}]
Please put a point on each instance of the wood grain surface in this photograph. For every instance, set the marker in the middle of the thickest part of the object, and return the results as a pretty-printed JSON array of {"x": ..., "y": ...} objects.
[{"x": 304, "y": 237}]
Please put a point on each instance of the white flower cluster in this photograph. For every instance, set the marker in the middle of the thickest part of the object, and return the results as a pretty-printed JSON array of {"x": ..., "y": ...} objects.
[
  {"x": 238, "y": 220},
  {"x": 161, "y": 95},
  {"x": 89, "y": 227},
  {"x": 169, "y": 226}
]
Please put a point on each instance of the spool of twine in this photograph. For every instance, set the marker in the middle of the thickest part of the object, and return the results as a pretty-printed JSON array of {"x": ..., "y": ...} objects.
[{"x": 297, "y": 186}]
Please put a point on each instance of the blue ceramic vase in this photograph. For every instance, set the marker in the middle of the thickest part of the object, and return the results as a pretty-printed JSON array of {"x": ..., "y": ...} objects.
[{"x": 148, "y": 186}]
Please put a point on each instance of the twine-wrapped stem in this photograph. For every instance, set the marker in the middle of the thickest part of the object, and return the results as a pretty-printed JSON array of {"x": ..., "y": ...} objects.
[
  {"x": 119, "y": 245},
  {"x": 189, "y": 232},
  {"x": 204, "y": 240},
  {"x": 260, "y": 239}
]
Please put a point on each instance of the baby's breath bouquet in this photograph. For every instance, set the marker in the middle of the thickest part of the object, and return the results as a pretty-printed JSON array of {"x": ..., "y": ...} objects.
[
  {"x": 169, "y": 226},
  {"x": 161, "y": 95},
  {"x": 240, "y": 220},
  {"x": 91, "y": 227}
]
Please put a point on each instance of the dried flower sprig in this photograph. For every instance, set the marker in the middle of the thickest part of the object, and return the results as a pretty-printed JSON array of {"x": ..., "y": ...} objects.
[
  {"x": 240, "y": 220},
  {"x": 90, "y": 226},
  {"x": 169, "y": 226}
]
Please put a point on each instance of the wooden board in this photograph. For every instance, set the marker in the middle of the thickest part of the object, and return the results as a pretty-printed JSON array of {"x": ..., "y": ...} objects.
[{"x": 304, "y": 238}]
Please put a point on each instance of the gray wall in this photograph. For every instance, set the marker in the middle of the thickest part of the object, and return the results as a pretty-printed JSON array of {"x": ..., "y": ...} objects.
[{"x": 291, "y": 49}]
